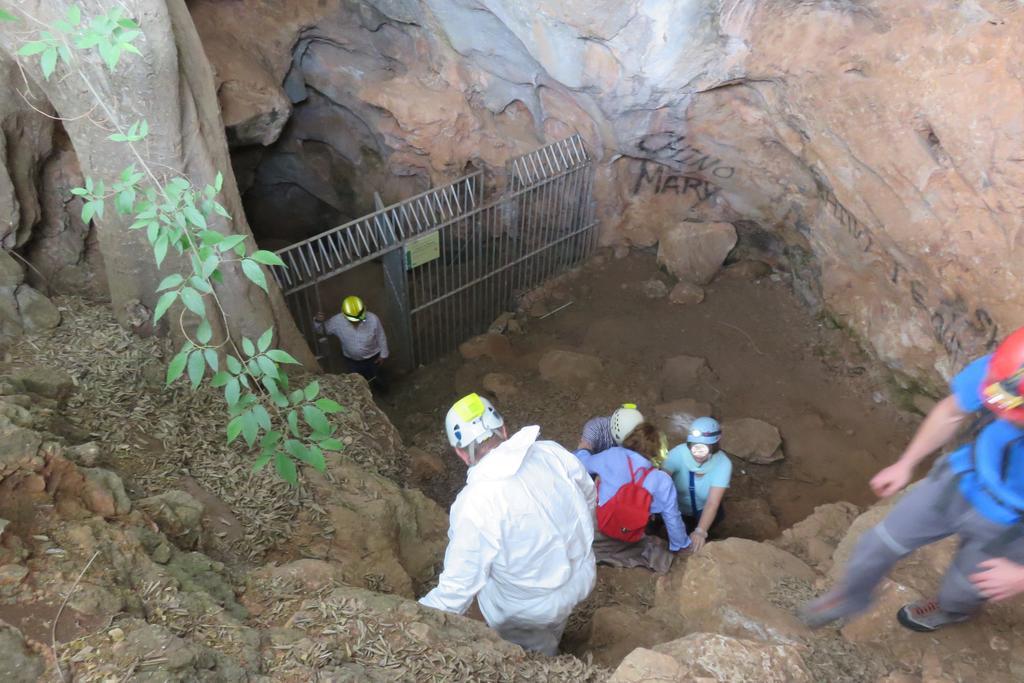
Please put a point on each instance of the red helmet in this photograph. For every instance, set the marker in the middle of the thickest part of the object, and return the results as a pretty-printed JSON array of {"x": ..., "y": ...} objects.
[{"x": 1003, "y": 388}]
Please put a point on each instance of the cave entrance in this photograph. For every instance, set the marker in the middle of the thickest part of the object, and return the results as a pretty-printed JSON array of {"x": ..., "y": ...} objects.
[{"x": 442, "y": 265}]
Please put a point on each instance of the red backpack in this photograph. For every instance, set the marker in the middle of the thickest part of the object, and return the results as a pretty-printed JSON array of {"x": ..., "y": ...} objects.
[{"x": 624, "y": 516}]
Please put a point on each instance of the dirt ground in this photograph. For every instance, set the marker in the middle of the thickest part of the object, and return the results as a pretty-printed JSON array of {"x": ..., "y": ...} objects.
[{"x": 835, "y": 408}]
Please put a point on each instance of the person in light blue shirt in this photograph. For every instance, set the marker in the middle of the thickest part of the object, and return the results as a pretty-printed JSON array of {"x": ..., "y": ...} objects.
[
  {"x": 636, "y": 460},
  {"x": 701, "y": 473}
]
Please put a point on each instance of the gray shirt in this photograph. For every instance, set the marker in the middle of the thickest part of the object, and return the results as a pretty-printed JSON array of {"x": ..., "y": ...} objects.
[
  {"x": 358, "y": 341},
  {"x": 598, "y": 431}
]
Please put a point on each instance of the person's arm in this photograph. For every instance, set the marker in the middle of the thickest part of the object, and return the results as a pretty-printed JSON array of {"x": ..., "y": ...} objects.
[
  {"x": 999, "y": 579},
  {"x": 938, "y": 428},
  {"x": 589, "y": 435},
  {"x": 581, "y": 477},
  {"x": 707, "y": 517},
  {"x": 467, "y": 562},
  {"x": 318, "y": 323},
  {"x": 382, "y": 340},
  {"x": 667, "y": 504}
]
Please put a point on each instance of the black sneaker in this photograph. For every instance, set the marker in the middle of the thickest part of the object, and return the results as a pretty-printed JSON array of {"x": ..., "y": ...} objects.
[{"x": 925, "y": 616}]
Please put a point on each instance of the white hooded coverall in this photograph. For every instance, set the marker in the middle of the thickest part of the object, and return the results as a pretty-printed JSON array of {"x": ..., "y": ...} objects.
[{"x": 520, "y": 540}]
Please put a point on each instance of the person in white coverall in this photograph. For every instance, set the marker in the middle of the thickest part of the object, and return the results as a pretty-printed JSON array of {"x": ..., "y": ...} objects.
[{"x": 521, "y": 530}]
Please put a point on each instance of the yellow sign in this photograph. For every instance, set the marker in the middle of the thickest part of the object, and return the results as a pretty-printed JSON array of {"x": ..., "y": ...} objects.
[{"x": 423, "y": 250}]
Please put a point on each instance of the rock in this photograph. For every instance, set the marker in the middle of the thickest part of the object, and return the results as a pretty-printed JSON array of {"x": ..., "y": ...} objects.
[
  {"x": 695, "y": 251},
  {"x": 643, "y": 665},
  {"x": 501, "y": 385},
  {"x": 12, "y": 574},
  {"x": 104, "y": 492},
  {"x": 570, "y": 369},
  {"x": 724, "y": 589},
  {"x": 686, "y": 294},
  {"x": 815, "y": 538},
  {"x": 18, "y": 662},
  {"x": 923, "y": 403},
  {"x": 424, "y": 466},
  {"x": 752, "y": 440},
  {"x": 19, "y": 449},
  {"x": 86, "y": 454},
  {"x": 38, "y": 314},
  {"x": 616, "y": 630},
  {"x": 654, "y": 289},
  {"x": 500, "y": 324},
  {"x": 311, "y": 574},
  {"x": 47, "y": 382},
  {"x": 538, "y": 309},
  {"x": 745, "y": 270},
  {"x": 13, "y": 415},
  {"x": 748, "y": 518},
  {"x": 12, "y": 273},
  {"x": 675, "y": 417},
  {"x": 493, "y": 346},
  {"x": 620, "y": 252},
  {"x": 681, "y": 374},
  {"x": 177, "y": 514},
  {"x": 714, "y": 657}
]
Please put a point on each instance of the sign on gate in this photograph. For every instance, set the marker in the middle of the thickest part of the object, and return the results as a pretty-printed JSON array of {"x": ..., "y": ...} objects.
[{"x": 422, "y": 250}]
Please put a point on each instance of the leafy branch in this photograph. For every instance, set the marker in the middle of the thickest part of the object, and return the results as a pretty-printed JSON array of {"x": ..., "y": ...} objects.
[{"x": 176, "y": 215}]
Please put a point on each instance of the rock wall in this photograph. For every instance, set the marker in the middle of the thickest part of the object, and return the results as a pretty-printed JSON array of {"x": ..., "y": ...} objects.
[{"x": 873, "y": 149}]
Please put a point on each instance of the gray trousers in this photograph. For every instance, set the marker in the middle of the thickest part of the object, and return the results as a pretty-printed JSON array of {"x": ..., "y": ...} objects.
[
  {"x": 931, "y": 511},
  {"x": 543, "y": 639}
]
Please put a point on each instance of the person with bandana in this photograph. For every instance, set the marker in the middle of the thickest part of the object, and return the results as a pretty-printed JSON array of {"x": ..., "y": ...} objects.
[{"x": 701, "y": 472}]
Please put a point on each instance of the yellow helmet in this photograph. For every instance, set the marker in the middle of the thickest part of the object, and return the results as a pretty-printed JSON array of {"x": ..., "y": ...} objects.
[{"x": 353, "y": 309}]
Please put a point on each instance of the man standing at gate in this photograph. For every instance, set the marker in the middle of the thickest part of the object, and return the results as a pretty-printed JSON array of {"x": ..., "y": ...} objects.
[{"x": 363, "y": 342}]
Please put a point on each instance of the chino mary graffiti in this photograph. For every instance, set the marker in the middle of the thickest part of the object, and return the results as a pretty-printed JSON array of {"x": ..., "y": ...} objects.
[
  {"x": 671, "y": 149},
  {"x": 951, "y": 318},
  {"x": 661, "y": 180}
]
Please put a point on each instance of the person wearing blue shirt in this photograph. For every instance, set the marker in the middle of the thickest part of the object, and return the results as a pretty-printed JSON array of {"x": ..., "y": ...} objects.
[
  {"x": 701, "y": 472},
  {"x": 976, "y": 492},
  {"x": 617, "y": 466}
]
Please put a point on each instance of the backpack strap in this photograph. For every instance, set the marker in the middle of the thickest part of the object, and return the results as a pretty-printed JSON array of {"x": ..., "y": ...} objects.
[
  {"x": 645, "y": 471},
  {"x": 693, "y": 495}
]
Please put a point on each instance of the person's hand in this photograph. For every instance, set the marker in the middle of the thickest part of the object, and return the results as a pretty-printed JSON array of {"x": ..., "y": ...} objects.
[
  {"x": 999, "y": 579},
  {"x": 319, "y": 317},
  {"x": 698, "y": 537},
  {"x": 891, "y": 480},
  {"x": 379, "y": 361}
]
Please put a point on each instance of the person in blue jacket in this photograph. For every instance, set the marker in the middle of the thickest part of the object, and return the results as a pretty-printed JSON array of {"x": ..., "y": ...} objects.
[
  {"x": 701, "y": 472},
  {"x": 976, "y": 492}
]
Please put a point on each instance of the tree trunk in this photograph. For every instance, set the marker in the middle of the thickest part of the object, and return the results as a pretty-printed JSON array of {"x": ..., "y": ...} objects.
[{"x": 171, "y": 86}]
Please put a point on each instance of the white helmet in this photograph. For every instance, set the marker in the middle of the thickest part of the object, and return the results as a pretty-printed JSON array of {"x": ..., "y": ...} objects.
[
  {"x": 624, "y": 420},
  {"x": 471, "y": 420}
]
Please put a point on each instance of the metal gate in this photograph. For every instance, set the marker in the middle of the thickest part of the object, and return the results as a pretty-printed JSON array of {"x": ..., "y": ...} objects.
[{"x": 454, "y": 259}]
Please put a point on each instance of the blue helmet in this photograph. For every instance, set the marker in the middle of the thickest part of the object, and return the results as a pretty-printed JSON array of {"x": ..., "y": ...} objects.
[{"x": 704, "y": 430}]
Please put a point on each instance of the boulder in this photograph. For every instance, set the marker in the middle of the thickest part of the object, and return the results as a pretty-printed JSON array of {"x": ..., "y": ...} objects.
[
  {"x": 643, "y": 665},
  {"x": 47, "y": 382},
  {"x": 19, "y": 663},
  {"x": 686, "y": 293},
  {"x": 654, "y": 289},
  {"x": 38, "y": 314},
  {"x": 501, "y": 385},
  {"x": 745, "y": 270},
  {"x": 675, "y": 417},
  {"x": 616, "y": 630},
  {"x": 501, "y": 323},
  {"x": 569, "y": 369},
  {"x": 694, "y": 252},
  {"x": 727, "y": 589},
  {"x": 715, "y": 657},
  {"x": 178, "y": 514},
  {"x": 104, "y": 492},
  {"x": 424, "y": 466},
  {"x": 12, "y": 273},
  {"x": 489, "y": 345},
  {"x": 815, "y": 538},
  {"x": 748, "y": 518},
  {"x": 752, "y": 440},
  {"x": 680, "y": 374}
]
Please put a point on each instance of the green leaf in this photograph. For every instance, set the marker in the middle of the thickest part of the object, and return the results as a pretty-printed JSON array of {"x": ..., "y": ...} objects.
[
  {"x": 293, "y": 422},
  {"x": 279, "y": 356},
  {"x": 7, "y": 16},
  {"x": 267, "y": 258},
  {"x": 262, "y": 417},
  {"x": 111, "y": 54},
  {"x": 286, "y": 469},
  {"x": 177, "y": 365},
  {"x": 234, "y": 365},
  {"x": 193, "y": 300},
  {"x": 296, "y": 396},
  {"x": 73, "y": 15},
  {"x": 211, "y": 359},
  {"x": 270, "y": 440},
  {"x": 162, "y": 304},
  {"x": 200, "y": 284},
  {"x": 65, "y": 54},
  {"x": 88, "y": 209},
  {"x": 316, "y": 458},
  {"x": 117, "y": 137},
  {"x": 311, "y": 390},
  {"x": 249, "y": 427},
  {"x": 211, "y": 237},
  {"x": 234, "y": 428},
  {"x": 247, "y": 346},
  {"x": 232, "y": 390},
  {"x": 194, "y": 217},
  {"x": 261, "y": 461},
  {"x": 152, "y": 231},
  {"x": 316, "y": 419},
  {"x": 204, "y": 333},
  {"x": 329, "y": 406},
  {"x": 268, "y": 367},
  {"x": 230, "y": 242},
  {"x": 332, "y": 445},
  {"x": 160, "y": 248},
  {"x": 220, "y": 379},
  {"x": 263, "y": 343},
  {"x": 170, "y": 281},
  {"x": 33, "y": 48},
  {"x": 127, "y": 23},
  {"x": 196, "y": 368},
  {"x": 253, "y": 272}
]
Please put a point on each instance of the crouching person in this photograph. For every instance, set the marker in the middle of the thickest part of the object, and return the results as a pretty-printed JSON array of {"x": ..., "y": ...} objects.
[
  {"x": 701, "y": 471},
  {"x": 631, "y": 488},
  {"x": 521, "y": 532}
]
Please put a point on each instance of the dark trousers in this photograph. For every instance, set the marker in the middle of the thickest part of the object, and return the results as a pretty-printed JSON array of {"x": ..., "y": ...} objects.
[
  {"x": 368, "y": 368},
  {"x": 691, "y": 522}
]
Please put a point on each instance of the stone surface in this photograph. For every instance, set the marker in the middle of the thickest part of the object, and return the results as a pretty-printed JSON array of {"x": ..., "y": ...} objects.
[
  {"x": 46, "y": 381},
  {"x": 745, "y": 270},
  {"x": 570, "y": 369},
  {"x": 501, "y": 385},
  {"x": 686, "y": 294},
  {"x": 12, "y": 273},
  {"x": 681, "y": 374},
  {"x": 654, "y": 289},
  {"x": 490, "y": 345},
  {"x": 18, "y": 662},
  {"x": 716, "y": 657},
  {"x": 424, "y": 466},
  {"x": 752, "y": 440},
  {"x": 675, "y": 417},
  {"x": 695, "y": 251},
  {"x": 617, "y": 630},
  {"x": 643, "y": 665},
  {"x": 748, "y": 518},
  {"x": 178, "y": 514},
  {"x": 104, "y": 492},
  {"x": 815, "y": 538}
]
